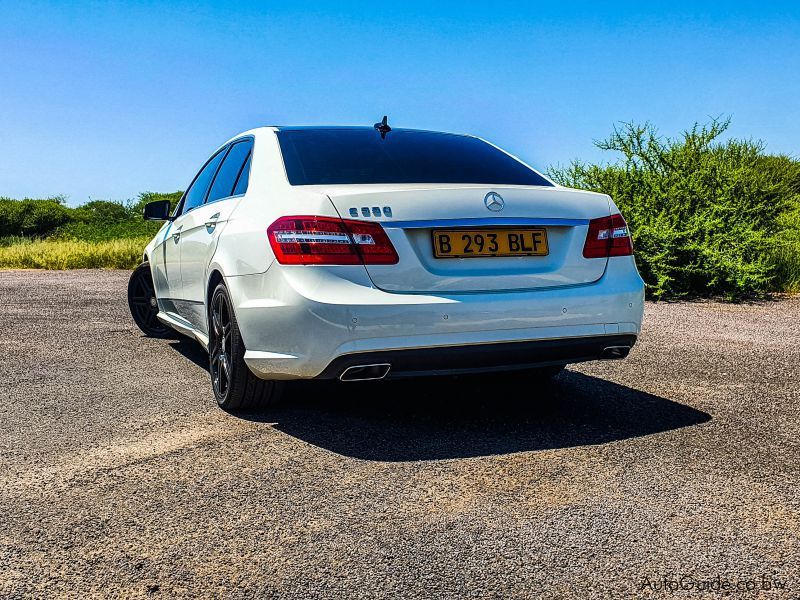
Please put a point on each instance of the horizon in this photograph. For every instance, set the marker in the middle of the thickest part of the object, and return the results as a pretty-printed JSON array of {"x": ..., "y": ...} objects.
[{"x": 105, "y": 102}]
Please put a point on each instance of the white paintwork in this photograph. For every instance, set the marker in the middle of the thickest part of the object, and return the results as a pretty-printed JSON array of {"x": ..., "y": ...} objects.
[
  {"x": 419, "y": 271},
  {"x": 295, "y": 320}
]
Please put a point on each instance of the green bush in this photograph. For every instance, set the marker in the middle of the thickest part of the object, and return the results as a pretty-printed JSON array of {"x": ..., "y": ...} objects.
[
  {"x": 707, "y": 217},
  {"x": 101, "y": 212},
  {"x": 32, "y": 217},
  {"x": 97, "y": 220},
  {"x": 103, "y": 220},
  {"x": 47, "y": 234},
  {"x": 99, "y": 233},
  {"x": 137, "y": 206},
  {"x": 12, "y": 240},
  {"x": 102, "y": 231},
  {"x": 786, "y": 249}
]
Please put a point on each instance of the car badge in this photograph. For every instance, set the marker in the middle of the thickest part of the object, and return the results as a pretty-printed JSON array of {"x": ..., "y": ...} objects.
[{"x": 494, "y": 202}]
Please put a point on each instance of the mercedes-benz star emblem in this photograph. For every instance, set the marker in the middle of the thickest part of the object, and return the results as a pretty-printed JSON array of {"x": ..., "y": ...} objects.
[{"x": 494, "y": 201}]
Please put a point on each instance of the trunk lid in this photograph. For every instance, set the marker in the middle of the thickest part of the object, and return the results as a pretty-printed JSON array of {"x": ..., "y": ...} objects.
[{"x": 411, "y": 213}]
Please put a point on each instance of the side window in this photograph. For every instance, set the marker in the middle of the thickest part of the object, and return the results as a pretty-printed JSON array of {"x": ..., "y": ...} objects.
[
  {"x": 197, "y": 192},
  {"x": 244, "y": 177},
  {"x": 226, "y": 177}
]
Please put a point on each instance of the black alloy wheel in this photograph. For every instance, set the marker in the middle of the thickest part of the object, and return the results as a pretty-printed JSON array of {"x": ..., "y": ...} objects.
[
  {"x": 220, "y": 350},
  {"x": 143, "y": 304},
  {"x": 235, "y": 386}
]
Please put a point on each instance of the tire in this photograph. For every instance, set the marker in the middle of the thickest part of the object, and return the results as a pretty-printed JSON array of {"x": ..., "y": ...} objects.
[
  {"x": 143, "y": 305},
  {"x": 235, "y": 387}
]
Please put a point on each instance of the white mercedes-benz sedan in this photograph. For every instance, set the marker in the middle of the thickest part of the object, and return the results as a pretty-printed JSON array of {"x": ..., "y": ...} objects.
[{"x": 359, "y": 253}]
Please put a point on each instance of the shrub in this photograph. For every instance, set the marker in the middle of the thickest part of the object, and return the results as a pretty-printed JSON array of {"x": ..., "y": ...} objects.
[
  {"x": 705, "y": 215},
  {"x": 96, "y": 220},
  {"x": 101, "y": 212},
  {"x": 98, "y": 232},
  {"x": 786, "y": 249},
  {"x": 32, "y": 217},
  {"x": 137, "y": 206}
]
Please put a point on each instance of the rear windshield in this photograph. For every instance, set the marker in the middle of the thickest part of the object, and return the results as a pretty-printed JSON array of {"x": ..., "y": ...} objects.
[{"x": 344, "y": 156}]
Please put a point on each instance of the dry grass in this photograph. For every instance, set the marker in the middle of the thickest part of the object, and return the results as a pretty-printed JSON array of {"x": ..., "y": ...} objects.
[{"x": 66, "y": 254}]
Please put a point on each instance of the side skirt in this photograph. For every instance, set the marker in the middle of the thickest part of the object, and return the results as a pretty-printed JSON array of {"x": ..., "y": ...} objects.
[{"x": 183, "y": 326}]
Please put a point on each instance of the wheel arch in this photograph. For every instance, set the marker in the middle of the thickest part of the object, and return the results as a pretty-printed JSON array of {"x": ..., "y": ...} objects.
[{"x": 215, "y": 277}]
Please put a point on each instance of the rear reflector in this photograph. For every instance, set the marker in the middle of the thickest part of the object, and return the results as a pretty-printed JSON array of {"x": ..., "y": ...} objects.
[
  {"x": 608, "y": 236},
  {"x": 311, "y": 240}
]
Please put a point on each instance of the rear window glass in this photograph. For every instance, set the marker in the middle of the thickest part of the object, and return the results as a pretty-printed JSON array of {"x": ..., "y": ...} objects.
[
  {"x": 197, "y": 192},
  {"x": 229, "y": 171},
  {"x": 353, "y": 156},
  {"x": 244, "y": 177}
]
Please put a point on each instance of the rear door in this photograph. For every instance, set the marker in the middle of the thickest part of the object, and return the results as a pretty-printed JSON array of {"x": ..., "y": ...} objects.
[
  {"x": 203, "y": 225},
  {"x": 542, "y": 228},
  {"x": 175, "y": 237},
  {"x": 158, "y": 266}
]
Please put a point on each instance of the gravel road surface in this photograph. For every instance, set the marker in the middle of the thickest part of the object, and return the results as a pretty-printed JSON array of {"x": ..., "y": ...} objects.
[{"x": 119, "y": 476}]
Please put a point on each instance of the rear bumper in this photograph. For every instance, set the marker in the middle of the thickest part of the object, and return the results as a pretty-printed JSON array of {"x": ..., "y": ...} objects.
[
  {"x": 482, "y": 358},
  {"x": 306, "y": 322}
]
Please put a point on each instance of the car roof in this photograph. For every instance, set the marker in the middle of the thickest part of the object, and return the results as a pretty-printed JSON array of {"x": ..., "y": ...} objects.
[{"x": 353, "y": 128}]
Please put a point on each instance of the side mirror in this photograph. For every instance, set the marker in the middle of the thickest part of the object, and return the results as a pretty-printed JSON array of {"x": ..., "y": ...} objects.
[{"x": 157, "y": 211}]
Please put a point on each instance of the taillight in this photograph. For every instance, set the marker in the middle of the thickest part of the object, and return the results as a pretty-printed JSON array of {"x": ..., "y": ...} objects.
[
  {"x": 608, "y": 236},
  {"x": 310, "y": 240}
]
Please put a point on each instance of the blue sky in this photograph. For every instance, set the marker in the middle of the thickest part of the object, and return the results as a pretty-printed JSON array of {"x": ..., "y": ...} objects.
[{"x": 105, "y": 100}]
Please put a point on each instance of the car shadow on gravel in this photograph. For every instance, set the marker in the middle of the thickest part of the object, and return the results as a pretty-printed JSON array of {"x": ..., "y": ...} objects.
[{"x": 444, "y": 417}]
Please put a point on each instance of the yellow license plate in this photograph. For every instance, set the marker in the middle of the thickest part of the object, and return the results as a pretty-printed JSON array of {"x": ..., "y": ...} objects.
[{"x": 471, "y": 243}]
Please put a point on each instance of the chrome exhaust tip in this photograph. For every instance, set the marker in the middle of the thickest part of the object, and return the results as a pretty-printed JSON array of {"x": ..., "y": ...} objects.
[
  {"x": 365, "y": 372},
  {"x": 615, "y": 352}
]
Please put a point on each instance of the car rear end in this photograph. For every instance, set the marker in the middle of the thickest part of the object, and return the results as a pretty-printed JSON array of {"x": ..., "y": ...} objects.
[{"x": 436, "y": 256}]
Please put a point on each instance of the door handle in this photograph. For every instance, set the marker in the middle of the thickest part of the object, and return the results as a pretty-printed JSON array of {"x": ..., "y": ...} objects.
[
  {"x": 212, "y": 223},
  {"x": 176, "y": 236}
]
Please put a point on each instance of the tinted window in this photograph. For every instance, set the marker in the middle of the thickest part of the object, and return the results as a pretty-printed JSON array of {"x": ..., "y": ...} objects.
[
  {"x": 229, "y": 171},
  {"x": 244, "y": 177},
  {"x": 197, "y": 193},
  {"x": 332, "y": 156}
]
